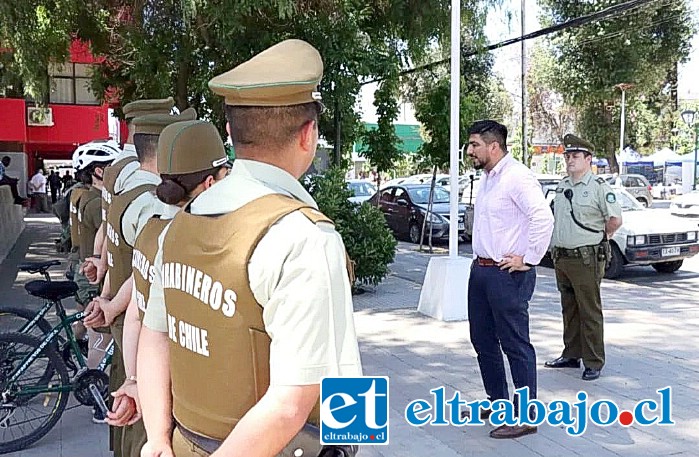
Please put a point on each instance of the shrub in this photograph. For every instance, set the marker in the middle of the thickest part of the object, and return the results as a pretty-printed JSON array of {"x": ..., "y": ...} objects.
[{"x": 369, "y": 242}]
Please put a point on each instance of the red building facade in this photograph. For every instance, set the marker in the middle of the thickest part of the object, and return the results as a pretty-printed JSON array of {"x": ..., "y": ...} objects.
[{"x": 73, "y": 115}]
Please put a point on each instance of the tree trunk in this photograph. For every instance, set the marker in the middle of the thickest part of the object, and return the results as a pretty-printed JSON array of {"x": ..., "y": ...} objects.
[
  {"x": 181, "y": 100},
  {"x": 428, "y": 213}
]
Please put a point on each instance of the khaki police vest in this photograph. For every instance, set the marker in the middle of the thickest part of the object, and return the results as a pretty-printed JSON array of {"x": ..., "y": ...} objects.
[
  {"x": 144, "y": 251},
  {"x": 219, "y": 348},
  {"x": 109, "y": 177},
  {"x": 87, "y": 234},
  {"x": 75, "y": 195},
  {"x": 119, "y": 252}
]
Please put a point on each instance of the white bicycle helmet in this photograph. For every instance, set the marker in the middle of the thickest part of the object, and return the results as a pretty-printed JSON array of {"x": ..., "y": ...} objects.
[{"x": 97, "y": 151}]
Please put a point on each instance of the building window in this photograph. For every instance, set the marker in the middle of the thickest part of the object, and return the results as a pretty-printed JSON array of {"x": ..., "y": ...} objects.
[{"x": 70, "y": 84}]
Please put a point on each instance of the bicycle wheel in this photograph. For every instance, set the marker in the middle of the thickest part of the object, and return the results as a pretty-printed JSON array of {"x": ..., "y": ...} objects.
[
  {"x": 25, "y": 415},
  {"x": 15, "y": 319}
]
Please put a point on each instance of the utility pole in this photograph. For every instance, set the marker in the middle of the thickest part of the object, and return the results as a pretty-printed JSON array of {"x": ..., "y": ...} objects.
[
  {"x": 623, "y": 87},
  {"x": 525, "y": 152}
]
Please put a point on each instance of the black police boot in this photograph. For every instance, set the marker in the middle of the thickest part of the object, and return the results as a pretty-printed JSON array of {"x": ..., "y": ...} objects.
[
  {"x": 563, "y": 362},
  {"x": 590, "y": 374}
]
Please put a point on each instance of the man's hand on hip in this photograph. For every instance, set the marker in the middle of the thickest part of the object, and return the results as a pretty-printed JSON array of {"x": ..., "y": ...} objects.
[{"x": 512, "y": 263}]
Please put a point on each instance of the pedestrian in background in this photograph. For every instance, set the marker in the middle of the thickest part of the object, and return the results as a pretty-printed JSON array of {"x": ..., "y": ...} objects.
[
  {"x": 511, "y": 234},
  {"x": 54, "y": 185},
  {"x": 37, "y": 188},
  {"x": 587, "y": 215}
]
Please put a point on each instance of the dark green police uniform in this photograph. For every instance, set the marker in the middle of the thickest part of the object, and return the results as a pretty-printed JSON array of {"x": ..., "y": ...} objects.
[{"x": 580, "y": 255}]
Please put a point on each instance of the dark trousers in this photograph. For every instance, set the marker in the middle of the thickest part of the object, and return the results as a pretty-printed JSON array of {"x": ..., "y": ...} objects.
[
  {"x": 7, "y": 181},
  {"x": 54, "y": 194},
  {"x": 581, "y": 303},
  {"x": 498, "y": 312}
]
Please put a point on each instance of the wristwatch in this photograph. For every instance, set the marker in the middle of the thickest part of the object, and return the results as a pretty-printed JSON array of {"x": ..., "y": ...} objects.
[{"x": 131, "y": 378}]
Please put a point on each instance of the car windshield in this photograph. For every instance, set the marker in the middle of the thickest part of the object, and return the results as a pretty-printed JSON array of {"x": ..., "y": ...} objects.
[
  {"x": 627, "y": 202},
  {"x": 421, "y": 195},
  {"x": 361, "y": 189}
]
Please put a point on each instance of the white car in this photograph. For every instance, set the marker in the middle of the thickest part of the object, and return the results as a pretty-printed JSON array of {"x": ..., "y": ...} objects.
[
  {"x": 686, "y": 205},
  {"x": 650, "y": 237},
  {"x": 361, "y": 190}
]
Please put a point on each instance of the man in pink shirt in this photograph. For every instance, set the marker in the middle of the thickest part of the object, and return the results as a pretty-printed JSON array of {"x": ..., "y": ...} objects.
[{"x": 511, "y": 232}]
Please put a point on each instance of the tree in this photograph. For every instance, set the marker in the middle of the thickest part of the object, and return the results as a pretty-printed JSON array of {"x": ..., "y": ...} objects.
[
  {"x": 642, "y": 46},
  {"x": 155, "y": 48},
  {"x": 551, "y": 118},
  {"x": 382, "y": 142}
]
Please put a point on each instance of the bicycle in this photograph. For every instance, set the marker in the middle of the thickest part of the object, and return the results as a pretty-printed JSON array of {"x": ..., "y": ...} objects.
[
  {"x": 33, "y": 373},
  {"x": 23, "y": 320},
  {"x": 14, "y": 318}
]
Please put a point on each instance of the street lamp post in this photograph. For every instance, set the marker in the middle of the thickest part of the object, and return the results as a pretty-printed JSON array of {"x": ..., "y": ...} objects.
[
  {"x": 675, "y": 131},
  {"x": 623, "y": 87},
  {"x": 688, "y": 118}
]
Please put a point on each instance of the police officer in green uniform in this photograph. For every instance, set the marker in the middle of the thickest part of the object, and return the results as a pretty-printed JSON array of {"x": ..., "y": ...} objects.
[
  {"x": 184, "y": 175},
  {"x": 586, "y": 215},
  {"x": 256, "y": 305},
  {"x": 117, "y": 174},
  {"x": 128, "y": 213}
]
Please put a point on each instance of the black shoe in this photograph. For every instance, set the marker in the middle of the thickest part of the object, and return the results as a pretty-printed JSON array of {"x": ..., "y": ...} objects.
[
  {"x": 484, "y": 415},
  {"x": 590, "y": 374},
  {"x": 512, "y": 431},
  {"x": 563, "y": 362}
]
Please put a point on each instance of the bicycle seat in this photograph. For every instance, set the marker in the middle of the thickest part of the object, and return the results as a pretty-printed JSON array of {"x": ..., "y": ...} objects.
[
  {"x": 54, "y": 290},
  {"x": 37, "y": 267}
]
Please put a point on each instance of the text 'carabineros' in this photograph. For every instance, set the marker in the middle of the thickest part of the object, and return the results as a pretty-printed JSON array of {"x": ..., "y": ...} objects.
[{"x": 200, "y": 286}]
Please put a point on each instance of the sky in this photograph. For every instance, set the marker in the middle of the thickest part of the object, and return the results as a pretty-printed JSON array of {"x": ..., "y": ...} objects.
[{"x": 500, "y": 27}]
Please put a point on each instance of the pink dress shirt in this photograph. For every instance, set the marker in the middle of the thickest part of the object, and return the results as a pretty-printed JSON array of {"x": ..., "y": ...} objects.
[{"x": 511, "y": 214}]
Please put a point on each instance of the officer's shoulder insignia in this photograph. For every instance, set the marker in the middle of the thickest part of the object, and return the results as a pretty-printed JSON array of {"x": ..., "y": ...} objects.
[
  {"x": 611, "y": 197},
  {"x": 600, "y": 180}
]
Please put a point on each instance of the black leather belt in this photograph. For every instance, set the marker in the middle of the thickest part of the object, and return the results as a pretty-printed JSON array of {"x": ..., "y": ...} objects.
[
  {"x": 204, "y": 442},
  {"x": 575, "y": 252},
  {"x": 308, "y": 440}
]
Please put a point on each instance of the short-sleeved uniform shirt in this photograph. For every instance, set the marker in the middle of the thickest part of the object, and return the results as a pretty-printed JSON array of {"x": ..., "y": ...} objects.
[
  {"x": 297, "y": 273},
  {"x": 142, "y": 208},
  {"x": 169, "y": 211},
  {"x": 593, "y": 202},
  {"x": 128, "y": 151},
  {"x": 89, "y": 220}
]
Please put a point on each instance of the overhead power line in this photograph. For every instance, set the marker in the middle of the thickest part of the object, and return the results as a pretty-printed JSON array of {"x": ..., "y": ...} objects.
[{"x": 607, "y": 13}]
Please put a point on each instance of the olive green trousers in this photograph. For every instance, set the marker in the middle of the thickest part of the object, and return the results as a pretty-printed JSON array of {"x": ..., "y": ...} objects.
[{"x": 579, "y": 280}]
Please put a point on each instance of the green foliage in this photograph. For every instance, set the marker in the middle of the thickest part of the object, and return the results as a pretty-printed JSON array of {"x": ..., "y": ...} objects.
[
  {"x": 641, "y": 47},
  {"x": 432, "y": 109},
  {"x": 39, "y": 32},
  {"x": 369, "y": 242},
  {"x": 482, "y": 96},
  {"x": 156, "y": 48},
  {"x": 551, "y": 117},
  {"x": 382, "y": 142}
]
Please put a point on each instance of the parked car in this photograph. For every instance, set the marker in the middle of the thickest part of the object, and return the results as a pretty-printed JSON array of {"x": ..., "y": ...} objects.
[
  {"x": 405, "y": 208},
  {"x": 362, "y": 190},
  {"x": 548, "y": 182},
  {"x": 636, "y": 185},
  {"x": 686, "y": 205},
  {"x": 649, "y": 237},
  {"x": 393, "y": 182}
]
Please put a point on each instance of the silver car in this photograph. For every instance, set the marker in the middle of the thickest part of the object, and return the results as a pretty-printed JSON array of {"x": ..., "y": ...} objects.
[{"x": 636, "y": 185}]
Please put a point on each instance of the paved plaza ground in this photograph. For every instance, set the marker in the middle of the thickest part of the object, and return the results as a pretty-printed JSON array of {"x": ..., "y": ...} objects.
[{"x": 651, "y": 342}]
